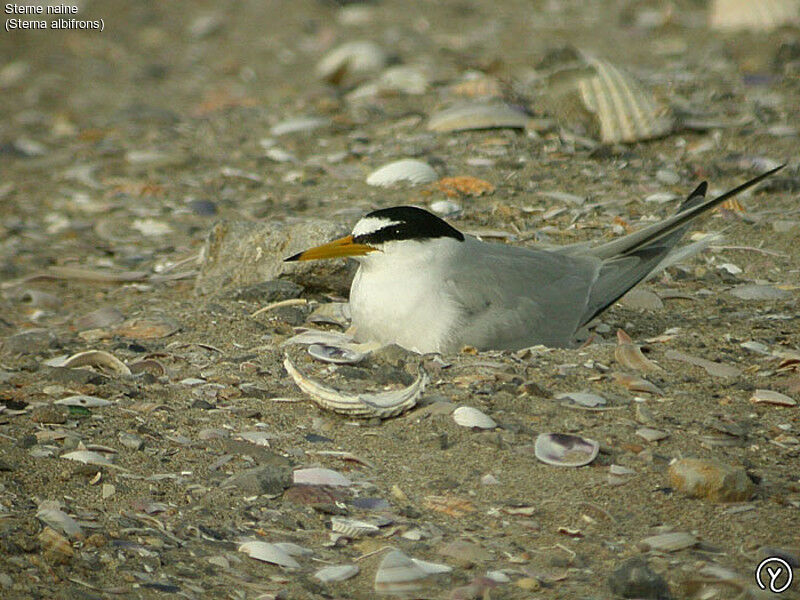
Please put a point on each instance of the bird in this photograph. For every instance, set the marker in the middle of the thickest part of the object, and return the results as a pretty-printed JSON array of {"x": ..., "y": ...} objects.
[{"x": 427, "y": 287}]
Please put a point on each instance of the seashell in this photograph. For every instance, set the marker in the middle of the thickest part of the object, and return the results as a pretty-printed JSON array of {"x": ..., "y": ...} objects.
[
  {"x": 467, "y": 416},
  {"x": 651, "y": 435},
  {"x": 85, "y": 401},
  {"x": 564, "y": 450},
  {"x": 317, "y": 336},
  {"x": 336, "y": 354},
  {"x": 97, "y": 358},
  {"x": 405, "y": 170},
  {"x": 764, "y": 15},
  {"x": 334, "y": 313},
  {"x": 293, "y": 549},
  {"x": 770, "y": 397},
  {"x": 619, "y": 108},
  {"x": 399, "y": 574},
  {"x": 466, "y": 117},
  {"x": 714, "y": 369},
  {"x": 403, "y": 79},
  {"x": 753, "y": 291},
  {"x": 89, "y": 457},
  {"x": 299, "y": 125},
  {"x": 583, "y": 399},
  {"x": 669, "y": 542},
  {"x": 637, "y": 384},
  {"x": 352, "y": 528},
  {"x": 382, "y": 405},
  {"x": 57, "y": 548},
  {"x": 336, "y": 573},
  {"x": 259, "y": 438},
  {"x": 102, "y": 317},
  {"x": 50, "y": 514},
  {"x": 630, "y": 356},
  {"x": 320, "y": 476},
  {"x": 271, "y": 553},
  {"x": 351, "y": 58}
]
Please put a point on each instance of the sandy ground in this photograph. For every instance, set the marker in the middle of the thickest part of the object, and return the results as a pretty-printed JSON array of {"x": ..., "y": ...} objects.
[{"x": 121, "y": 149}]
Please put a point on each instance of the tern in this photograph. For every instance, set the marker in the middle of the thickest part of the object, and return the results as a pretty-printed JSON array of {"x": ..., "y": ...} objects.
[{"x": 425, "y": 286}]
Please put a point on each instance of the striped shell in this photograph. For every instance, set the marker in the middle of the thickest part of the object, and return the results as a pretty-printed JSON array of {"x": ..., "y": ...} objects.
[
  {"x": 760, "y": 15},
  {"x": 481, "y": 115}
]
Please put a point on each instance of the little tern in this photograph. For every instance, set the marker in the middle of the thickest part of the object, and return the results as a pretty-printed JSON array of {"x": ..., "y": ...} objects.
[{"x": 427, "y": 287}]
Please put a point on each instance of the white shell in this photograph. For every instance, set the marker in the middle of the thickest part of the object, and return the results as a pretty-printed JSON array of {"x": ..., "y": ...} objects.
[
  {"x": 320, "y": 476},
  {"x": 670, "y": 542},
  {"x": 336, "y": 573},
  {"x": 51, "y": 515},
  {"x": 405, "y": 170},
  {"x": 357, "y": 57},
  {"x": 467, "y": 416},
  {"x": 382, "y": 404},
  {"x": 299, "y": 125},
  {"x": 335, "y": 354},
  {"x": 317, "y": 336},
  {"x": 85, "y": 401},
  {"x": 270, "y": 553},
  {"x": 446, "y": 208},
  {"x": 353, "y": 528},
  {"x": 478, "y": 116},
  {"x": 97, "y": 358},
  {"x": 399, "y": 574},
  {"x": 89, "y": 457},
  {"x": 564, "y": 450}
]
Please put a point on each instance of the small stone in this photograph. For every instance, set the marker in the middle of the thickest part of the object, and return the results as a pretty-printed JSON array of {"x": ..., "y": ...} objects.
[
  {"x": 710, "y": 479},
  {"x": 635, "y": 579},
  {"x": 32, "y": 341},
  {"x": 266, "y": 479},
  {"x": 50, "y": 414}
]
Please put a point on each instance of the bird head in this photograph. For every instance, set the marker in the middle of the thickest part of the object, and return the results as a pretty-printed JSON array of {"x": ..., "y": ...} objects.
[{"x": 388, "y": 231}]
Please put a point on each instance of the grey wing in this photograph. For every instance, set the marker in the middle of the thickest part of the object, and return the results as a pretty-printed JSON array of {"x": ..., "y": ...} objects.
[{"x": 514, "y": 297}]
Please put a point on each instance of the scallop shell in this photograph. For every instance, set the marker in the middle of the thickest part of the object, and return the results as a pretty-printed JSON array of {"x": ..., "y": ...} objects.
[
  {"x": 763, "y": 15},
  {"x": 270, "y": 553},
  {"x": 467, "y": 416},
  {"x": 564, "y": 450},
  {"x": 405, "y": 170},
  {"x": 351, "y": 58},
  {"x": 339, "y": 355},
  {"x": 382, "y": 405},
  {"x": 621, "y": 109},
  {"x": 352, "y": 528},
  {"x": 467, "y": 117}
]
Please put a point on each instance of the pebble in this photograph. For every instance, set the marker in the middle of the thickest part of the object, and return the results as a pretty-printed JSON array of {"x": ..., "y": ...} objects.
[
  {"x": 635, "y": 579},
  {"x": 710, "y": 479},
  {"x": 265, "y": 479}
]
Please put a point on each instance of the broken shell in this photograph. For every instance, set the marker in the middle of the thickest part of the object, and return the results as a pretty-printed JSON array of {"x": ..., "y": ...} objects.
[
  {"x": 88, "y": 457},
  {"x": 467, "y": 416},
  {"x": 583, "y": 399},
  {"x": 336, "y": 573},
  {"x": 399, "y": 574},
  {"x": 382, "y": 405},
  {"x": 351, "y": 58},
  {"x": 270, "y": 553},
  {"x": 320, "y": 476},
  {"x": 334, "y": 313},
  {"x": 564, "y": 450},
  {"x": 765, "y": 15},
  {"x": 651, "y": 435},
  {"x": 630, "y": 356},
  {"x": 352, "y": 528},
  {"x": 97, "y": 358},
  {"x": 478, "y": 116},
  {"x": 714, "y": 369},
  {"x": 637, "y": 384},
  {"x": 405, "y": 170},
  {"x": 85, "y": 401},
  {"x": 317, "y": 336},
  {"x": 335, "y": 354},
  {"x": 51, "y": 515},
  {"x": 299, "y": 125},
  {"x": 770, "y": 397}
]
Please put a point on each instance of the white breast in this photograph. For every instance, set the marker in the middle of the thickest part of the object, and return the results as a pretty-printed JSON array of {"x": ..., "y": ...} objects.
[{"x": 397, "y": 296}]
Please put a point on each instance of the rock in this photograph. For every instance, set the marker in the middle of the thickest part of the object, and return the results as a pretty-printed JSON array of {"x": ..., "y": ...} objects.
[
  {"x": 32, "y": 341},
  {"x": 710, "y": 479},
  {"x": 239, "y": 253},
  {"x": 266, "y": 479},
  {"x": 635, "y": 579}
]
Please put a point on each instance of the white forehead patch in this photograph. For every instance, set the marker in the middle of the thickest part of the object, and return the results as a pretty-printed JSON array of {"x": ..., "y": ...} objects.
[{"x": 369, "y": 225}]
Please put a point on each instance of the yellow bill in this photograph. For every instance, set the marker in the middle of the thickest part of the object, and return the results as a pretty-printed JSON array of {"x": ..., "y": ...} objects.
[{"x": 337, "y": 248}]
